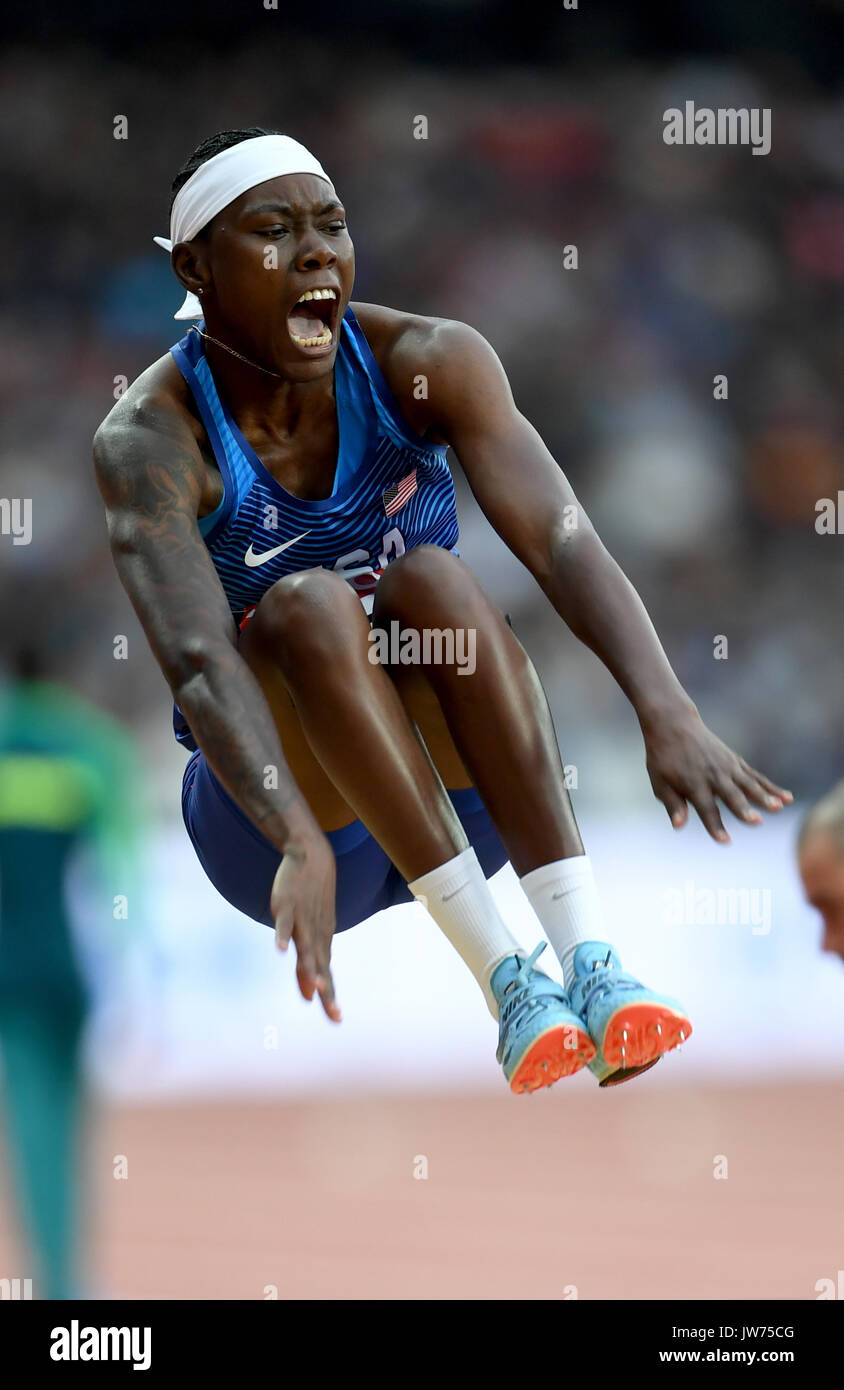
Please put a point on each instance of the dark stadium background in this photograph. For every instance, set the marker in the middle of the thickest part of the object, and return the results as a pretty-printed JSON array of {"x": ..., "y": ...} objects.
[{"x": 545, "y": 130}]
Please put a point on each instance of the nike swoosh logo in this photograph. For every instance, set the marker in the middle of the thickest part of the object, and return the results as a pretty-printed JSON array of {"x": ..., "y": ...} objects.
[
  {"x": 446, "y": 896},
  {"x": 253, "y": 561}
]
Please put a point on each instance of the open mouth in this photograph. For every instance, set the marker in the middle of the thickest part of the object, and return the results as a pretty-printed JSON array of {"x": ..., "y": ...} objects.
[{"x": 311, "y": 321}]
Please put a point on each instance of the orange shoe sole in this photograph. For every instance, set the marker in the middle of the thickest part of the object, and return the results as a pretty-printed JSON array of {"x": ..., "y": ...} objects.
[
  {"x": 559, "y": 1051},
  {"x": 640, "y": 1033}
]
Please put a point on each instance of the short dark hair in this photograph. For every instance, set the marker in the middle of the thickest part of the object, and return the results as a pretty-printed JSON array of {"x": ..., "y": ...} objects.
[
  {"x": 215, "y": 144},
  {"x": 826, "y": 815}
]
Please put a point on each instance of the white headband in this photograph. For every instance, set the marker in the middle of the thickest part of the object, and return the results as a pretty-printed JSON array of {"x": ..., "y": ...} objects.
[{"x": 223, "y": 178}]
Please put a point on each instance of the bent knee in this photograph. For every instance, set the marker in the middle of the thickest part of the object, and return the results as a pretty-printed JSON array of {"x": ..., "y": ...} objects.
[
  {"x": 426, "y": 579},
  {"x": 312, "y": 607}
]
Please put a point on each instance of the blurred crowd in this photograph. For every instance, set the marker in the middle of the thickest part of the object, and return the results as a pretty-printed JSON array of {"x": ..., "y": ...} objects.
[{"x": 692, "y": 263}]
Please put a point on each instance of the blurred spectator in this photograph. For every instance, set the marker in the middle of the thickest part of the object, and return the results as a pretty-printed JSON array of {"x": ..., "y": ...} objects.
[
  {"x": 68, "y": 775},
  {"x": 820, "y": 856}
]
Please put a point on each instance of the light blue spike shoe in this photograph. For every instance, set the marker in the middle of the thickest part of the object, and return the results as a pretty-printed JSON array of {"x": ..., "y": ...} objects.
[
  {"x": 540, "y": 1038},
  {"x": 630, "y": 1025}
]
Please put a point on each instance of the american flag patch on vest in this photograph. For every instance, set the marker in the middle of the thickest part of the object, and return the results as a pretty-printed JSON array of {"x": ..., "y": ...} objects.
[{"x": 394, "y": 497}]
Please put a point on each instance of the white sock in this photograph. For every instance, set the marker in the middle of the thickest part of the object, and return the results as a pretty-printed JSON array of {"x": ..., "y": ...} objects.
[
  {"x": 460, "y": 901},
  {"x": 564, "y": 897}
]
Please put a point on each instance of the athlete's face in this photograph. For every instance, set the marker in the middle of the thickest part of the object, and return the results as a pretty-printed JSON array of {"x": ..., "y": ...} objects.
[
  {"x": 821, "y": 865},
  {"x": 279, "y": 241}
]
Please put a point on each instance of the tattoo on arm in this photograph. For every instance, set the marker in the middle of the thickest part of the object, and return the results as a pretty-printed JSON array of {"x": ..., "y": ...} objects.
[{"x": 150, "y": 474}]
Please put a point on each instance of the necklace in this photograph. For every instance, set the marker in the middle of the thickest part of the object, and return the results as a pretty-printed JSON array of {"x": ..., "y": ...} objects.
[{"x": 239, "y": 355}]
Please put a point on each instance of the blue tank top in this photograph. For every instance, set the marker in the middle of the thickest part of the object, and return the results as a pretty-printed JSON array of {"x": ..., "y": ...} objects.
[{"x": 392, "y": 489}]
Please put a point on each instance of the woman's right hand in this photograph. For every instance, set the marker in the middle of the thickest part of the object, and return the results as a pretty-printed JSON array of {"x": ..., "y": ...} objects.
[{"x": 303, "y": 905}]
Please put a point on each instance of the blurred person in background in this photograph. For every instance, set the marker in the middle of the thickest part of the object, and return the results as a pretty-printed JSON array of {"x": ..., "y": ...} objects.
[
  {"x": 60, "y": 760},
  {"x": 820, "y": 859}
]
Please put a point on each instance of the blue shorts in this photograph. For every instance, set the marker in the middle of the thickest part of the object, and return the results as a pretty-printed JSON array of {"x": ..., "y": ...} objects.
[{"x": 241, "y": 864}]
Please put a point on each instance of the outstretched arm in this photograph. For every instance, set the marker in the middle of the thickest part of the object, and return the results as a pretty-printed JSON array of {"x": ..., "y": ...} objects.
[
  {"x": 149, "y": 472},
  {"x": 529, "y": 501}
]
